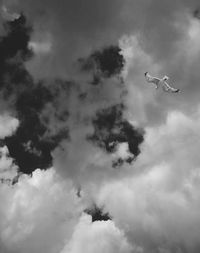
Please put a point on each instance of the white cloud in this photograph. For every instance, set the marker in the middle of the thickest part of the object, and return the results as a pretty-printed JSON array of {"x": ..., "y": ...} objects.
[
  {"x": 8, "y": 170},
  {"x": 8, "y": 125},
  {"x": 158, "y": 206},
  {"x": 122, "y": 151},
  {"x": 38, "y": 213},
  {"x": 40, "y": 47},
  {"x": 99, "y": 236}
]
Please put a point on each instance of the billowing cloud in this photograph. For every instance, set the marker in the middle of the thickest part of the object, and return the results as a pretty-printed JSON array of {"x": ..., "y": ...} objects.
[
  {"x": 38, "y": 213},
  {"x": 80, "y": 102},
  {"x": 158, "y": 205},
  {"x": 99, "y": 236}
]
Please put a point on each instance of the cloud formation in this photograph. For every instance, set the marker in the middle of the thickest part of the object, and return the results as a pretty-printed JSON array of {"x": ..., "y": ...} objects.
[
  {"x": 8, "y": 169},
  {"x": 97, "y": 237},
  {"x": 158, "y": 206},
  {"x": 150, "y": 205},
  {"x": 38, "y": 213},
  {"x": 8, "y": 125},
  {"x": 77, "y": 29}
]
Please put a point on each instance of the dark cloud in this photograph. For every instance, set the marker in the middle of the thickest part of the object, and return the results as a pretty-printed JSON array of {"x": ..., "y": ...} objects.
[
  {"x": 110, "y": 129},
  {"x": 15, "y": 43},
  {"x": 97, "y": 214},
  {"x": 44, "y": 108},
  {"x": 31, "y": 145},
  {"x": 104, "y": 63},
  {"x": 28, "y": 146},
  {"x": 14, "y": 52},
  {"x": 196, "y": 13},
  {"x": 76, "y": 29}
]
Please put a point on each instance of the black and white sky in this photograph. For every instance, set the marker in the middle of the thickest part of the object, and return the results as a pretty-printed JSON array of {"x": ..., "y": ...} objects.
[{"x": 92, "y": 158}]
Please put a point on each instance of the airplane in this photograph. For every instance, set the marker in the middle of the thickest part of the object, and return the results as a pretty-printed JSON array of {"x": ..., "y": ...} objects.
[{"x": 160, "y": 82}]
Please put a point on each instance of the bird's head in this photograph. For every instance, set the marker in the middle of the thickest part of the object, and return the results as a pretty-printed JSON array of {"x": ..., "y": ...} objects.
[
  {"x": 145, "y": 73},
  {"x": 165, "y": 78}
]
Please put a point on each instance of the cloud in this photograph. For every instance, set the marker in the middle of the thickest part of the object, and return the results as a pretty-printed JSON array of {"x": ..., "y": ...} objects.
[
  {"x": 38, "y": 213},
  {"x": 97, "y": 214},
  {"x": 8, "y": 125},
  {"x": 100, "y": 132},
  {"x": 106, "y": 63},
  {"x": 158, "y": 205},
  {"x": 8, "y": 170},
  {"x": 153, "y": 202},
  {"x": 7, "y": 15},
  {"x": 30, "y": 145},
  {"x": 147, "y": 106},
  {"x": 40, "y": 47},
  {"x": 110, "y": 129},
  {"x": 78, "y": 29},
  {"x": 61, "y": 114},
  {"x": 99, "y": 236}
]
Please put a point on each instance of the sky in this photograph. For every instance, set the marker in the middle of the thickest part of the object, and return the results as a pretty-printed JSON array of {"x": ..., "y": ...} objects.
[{"x": 92, "y": 157}]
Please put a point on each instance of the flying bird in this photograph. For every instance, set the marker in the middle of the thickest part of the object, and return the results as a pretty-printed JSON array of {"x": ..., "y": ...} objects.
[{"x": 160, "y": 82}]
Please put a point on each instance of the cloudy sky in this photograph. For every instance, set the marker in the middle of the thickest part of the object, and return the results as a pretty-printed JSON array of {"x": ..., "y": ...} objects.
[{"x": 93, "y": 158}]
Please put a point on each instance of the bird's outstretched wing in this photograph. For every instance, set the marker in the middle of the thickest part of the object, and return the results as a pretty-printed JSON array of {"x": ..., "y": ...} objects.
[
  {"x": 168, "y": 88},
  {"x": 151, "y": 79}
]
